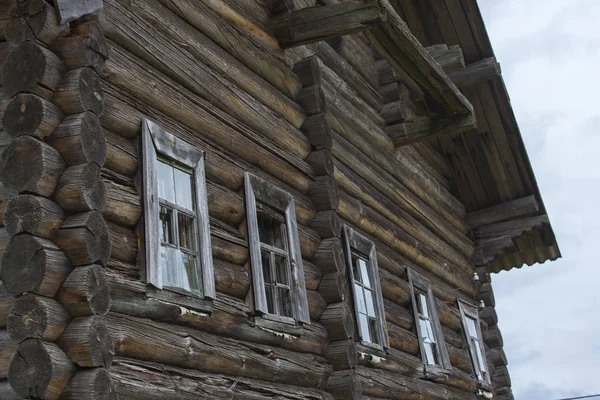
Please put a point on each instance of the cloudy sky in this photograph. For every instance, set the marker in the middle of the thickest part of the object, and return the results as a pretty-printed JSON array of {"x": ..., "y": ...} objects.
[{"x": 549, "y": 51}]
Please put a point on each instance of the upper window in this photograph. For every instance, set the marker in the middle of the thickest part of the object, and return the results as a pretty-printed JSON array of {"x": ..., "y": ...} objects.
[
  {"x": 277, "y": 271},
  {"x": 429, "y": 331},
  {"x": 472, "y": 328},
  {"x": 177, "y": 249},
  {"x": 361, "y": 257}
]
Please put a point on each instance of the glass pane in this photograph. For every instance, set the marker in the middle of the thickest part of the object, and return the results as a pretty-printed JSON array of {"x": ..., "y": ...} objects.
[
  {"x": 166, "y": 225},
  {"x": 364, "y": 272},
  {"x": 373, "y": 330},
  {"x": 170, "y": 274},
  {"x": 356, "y": 269},
  {"x": 363, "y": 326},
  {"x": 281, "y": 267},
  {"x": 271, "y": 231},
  {"x": 270, "y": 299},
  {"x": 266, "y": 265},
  {"x": 166, "y": 184},
  {"x": 183, "y": 189},
  {"x": 430, "y": 353},
  {"x": 285, "y": 299},
  {"x": 471, "y": 327},
  {"x": 424, "y": 305},
  {"x": 477, "y": 345},
  {"x": 369, "y": 299},
  {"x": 186, "y": 232},
  {"x": 190, "y": 278},
  {"x": 430, "y": 332},
  {"x": 360, "y": 299}
]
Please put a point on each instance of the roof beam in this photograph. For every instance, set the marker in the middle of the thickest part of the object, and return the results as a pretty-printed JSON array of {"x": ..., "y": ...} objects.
[
  {"x": 512, "y": 228},
  {"x": 502, "y": 212},
  {"x": 421, "y": 128},
  {"x": 476, "y": 72},
  {"x": 313, "y": 24},
  {"x": 450, "y": 58},
  {"x": 393, "y": 39}
]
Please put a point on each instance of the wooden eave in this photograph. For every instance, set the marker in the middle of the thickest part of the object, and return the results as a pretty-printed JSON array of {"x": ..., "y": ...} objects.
[{"x": 490, "y": 164}]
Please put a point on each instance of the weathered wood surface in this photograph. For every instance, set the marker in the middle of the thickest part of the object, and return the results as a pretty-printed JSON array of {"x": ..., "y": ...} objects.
[
  {"x": 121, "y": 154},
  {"x": 7, "y": 349},
  {"x": 78, "y": 91},
  {"x": 427, "y": 128},
  {"x": 84, "y": 238},
  {"x": 35, "y": 215},
  {"x": 181, "y": 64},
  {"x": 503, "y": 211},
  {"x": 356, "y": 50},
  {"x": 188, "y": 348},
  {"x": 511, "y": 228},
  {"x": 34, "y": 20},
  {"x": 477, "y": 72},
  {"x": 87, "y": 342},
  {"x": 79, "y": 139},
  {"x": 80, "y": 189},
  {"x": 32, "y": 264},
  {"x": 141, "y": 380},
  {"x": 85, "y": 292},
  {"x": 95, "y": 383},
  {"x": 123, "y": 204},
  {"x": 84, "y": 47},
  {"x": 450, "y": 58},
  {"x": 40, "y": 369},
  {"x": 29, "y": 114},
  {"x": 36, "y": 317},
  {"x": 6, "y": 391},
  {"x": 313, "y": 24}
]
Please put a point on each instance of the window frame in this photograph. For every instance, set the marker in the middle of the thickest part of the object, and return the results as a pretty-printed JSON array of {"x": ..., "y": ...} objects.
[
  {"x": 257, "y": 190},
  {"x": 354, "y": 242},
  {"x": 468, "y": 310},
  {"x": 417, "y": 281},
  {"x": 157, "y": 143}
]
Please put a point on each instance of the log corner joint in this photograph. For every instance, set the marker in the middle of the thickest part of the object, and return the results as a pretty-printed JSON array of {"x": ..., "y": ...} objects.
[{"x": 71, "y": 10}]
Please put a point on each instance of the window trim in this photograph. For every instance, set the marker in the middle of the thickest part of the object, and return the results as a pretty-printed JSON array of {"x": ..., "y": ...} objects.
[
  {"x": 155, "y": 141},
  {"x": 269, "y": 194},
  {"x": 470, "y": 310},
  {"x": 417, "y": 281},
  {"x": 362, "y": 245}
]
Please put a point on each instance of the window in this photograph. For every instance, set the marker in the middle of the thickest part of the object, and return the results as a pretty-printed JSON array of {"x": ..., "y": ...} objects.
[
  {"x": 277, "y": 271},
  {"x": 363, "y": 273},
  {"x": 429, "y": 331},
  {"x": 472, "y": 328},
  {"x": 177, "y": 252}
]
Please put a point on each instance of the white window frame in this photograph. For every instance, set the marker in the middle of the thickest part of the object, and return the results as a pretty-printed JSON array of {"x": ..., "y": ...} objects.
[
  {"x": 261, "y": 191},
  {"x": 156, "y": 142},
  {"x": 354, "y": 242},
  {"x": 417, "y": 281},
  {"x": 468, "y": 310}
]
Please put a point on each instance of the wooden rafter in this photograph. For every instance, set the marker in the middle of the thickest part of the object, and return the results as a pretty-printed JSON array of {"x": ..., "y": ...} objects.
[
  {"x": 502, "y": 212},
  {"x": 421, "y": 128}
]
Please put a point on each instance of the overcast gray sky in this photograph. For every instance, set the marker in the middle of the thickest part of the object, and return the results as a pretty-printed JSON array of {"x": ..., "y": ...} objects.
[{"x": 549, "y": 51}]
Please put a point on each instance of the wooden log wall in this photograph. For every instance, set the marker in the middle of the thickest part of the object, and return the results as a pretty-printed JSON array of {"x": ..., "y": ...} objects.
[
  {"x": 54, "y": 288},
  {"x": 310, "y": 120}
]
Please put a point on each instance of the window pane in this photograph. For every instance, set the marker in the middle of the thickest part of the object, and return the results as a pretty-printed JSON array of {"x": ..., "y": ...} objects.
[
  {"x": 184, "y": 189},
  {"x": 186, "y": 231},
  {"x": 270, "y": 299},
  {"x": 285, "y": 299},
  {"x": 363, "y": 326},
  {"x": 369, "y": 299},
  {"x": 188, "y": 272},
  {"x": 373, "y": 330},
  {"x": 471, "y": 327},
  {"x": 281, "y": 267},
  {"x": 364, "y": 272},
  {"x": 170, "y": 272},
  {"x": 430, "y": 353},
  {"x": 360, "y": 298},
  {"x": 477, "y": 346},
  {"x": 271, "y": 231},
  {"x": 266, "y": 265},
  {"x": 356, "y": 269},
  {"x": 166, "y": 225},
  {"x": 424, "y": 304},
  {"x": 166, "y": 184}
]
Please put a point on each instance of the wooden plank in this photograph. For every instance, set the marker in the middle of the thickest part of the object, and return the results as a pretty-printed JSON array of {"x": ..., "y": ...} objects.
[
  {"x": 476, "y": 72},
  {"x": 424, "y": 128},
  {"x": 512, "y": 228},
  {"x": 504, "y": 211}
]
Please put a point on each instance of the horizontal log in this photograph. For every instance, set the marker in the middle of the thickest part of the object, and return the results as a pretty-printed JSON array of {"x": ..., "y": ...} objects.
[
  {"x": 448, "y": 316},
  {"x": 338, "y": 319},
  {"x": 123, "y": 242},
  {"x": 84, "y": 238},
  {"x": 88, "y": 343},
  {"x": 29, "y": 165},
  {"x": 450, "y": 58},
  {"x": 497, "y": 357},
  {"x": 342, "y": 354},
  {"x": 486, "y": 251},
  {"x": 316, "y": 304},
  {"x": 212, "y": 77},
  {"x": 486, "y": 294},
  {"x": 123, "y": 115},
  {"x": 453, "y": 337},
  {"x": 95, "y": 383},
  {"x": 141, "y": 380},
  {"x": 394, "y": 112},
  {"x": 330, "y": 255},
  {"x": 30, "y": 114},
  {"x": 326, "y": 224},
  {"x": 394, "y": 288},
  {"x": 398, "y": 315},
  {"x": 503, "y": 211},
  {"x": 36, "y": 21},
  {"x": 36, "y": 317},
  {"x": 344, "y": 385},
  {"x": 428, "y": 128},
  {"x": 501, "y": 377},
  {"x": 80, "y": 189},
  {"x": 34, "y": 215},
  {"x": 488, "y": 315},
  {"x": 357, "y": 51},
  {"x": 460, "y": 359},
  {"x": 6, "y": 302},
  {"x": 229, "y": 315},
  {"x": 314, "y": 24},
  {"x": 84, "y": 47},
  {"x": 79, "y": 139},
  {"x": 6, "y": 390},
  {"x": 123, "y": 205},
  {"x": 32, "y": 264},
  {"x": 403, "y": 340},
  {"x": 231, "y": 279},
  {"x": 334, "y": 287},
  {"x": 324, "y": 193},
  {"x": 121, "y": 154},
  {"x": 40, "y": 369},
  {"x": 78, "y": 91},
  {"x": 235, "y": 31},
  {"x": 7, "y": 349},
  {"x": 492, "y": 337},
  {"x": 188, "y": 348},
  {"x": 85, "y": 292},
  {"x": 395, "y": 42},
  {"x": 477, "y": 72}
]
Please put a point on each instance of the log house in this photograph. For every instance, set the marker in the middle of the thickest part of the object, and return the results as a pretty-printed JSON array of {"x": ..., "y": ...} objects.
[{"x": 299, "y": 199}]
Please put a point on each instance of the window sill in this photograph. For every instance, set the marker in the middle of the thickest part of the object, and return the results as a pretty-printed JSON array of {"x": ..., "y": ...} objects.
[
  {"x": 182, "y": 298},
  {"x": 279, "y": 325},
  {"x": 368, "y": 349}
]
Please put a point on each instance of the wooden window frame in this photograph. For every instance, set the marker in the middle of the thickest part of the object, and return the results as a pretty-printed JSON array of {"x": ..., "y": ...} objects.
[
  {"x": 155, "y": 143},
  {"x": 417, "y": 281},
  {"x": 260, "y": 191},
  {"x": 354, "y": 242},
  {"x": 468, "y": 310}
]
